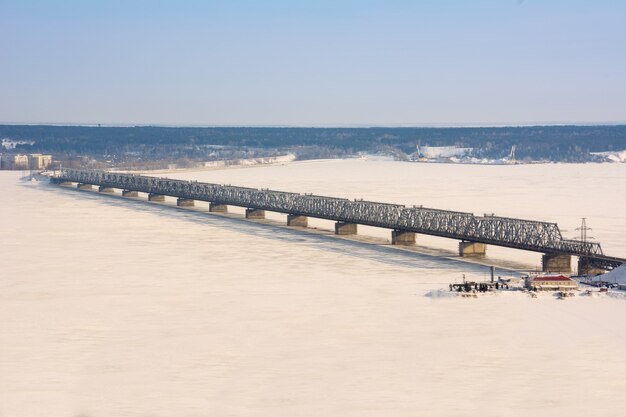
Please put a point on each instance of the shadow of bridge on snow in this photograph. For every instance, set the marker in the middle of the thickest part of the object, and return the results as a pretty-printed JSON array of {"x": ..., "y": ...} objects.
[{"x": 323, "y": 241}]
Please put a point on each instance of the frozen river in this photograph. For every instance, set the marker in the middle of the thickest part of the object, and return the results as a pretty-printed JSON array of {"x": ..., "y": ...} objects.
[{"x": 119, "y": 307}]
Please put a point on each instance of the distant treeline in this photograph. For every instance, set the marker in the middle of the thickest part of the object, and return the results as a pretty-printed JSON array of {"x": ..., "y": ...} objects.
[{"x": 557, "y": 143}]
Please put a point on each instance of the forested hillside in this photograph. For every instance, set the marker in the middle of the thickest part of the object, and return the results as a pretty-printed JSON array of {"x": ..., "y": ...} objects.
[{"x": 555, "y": 143}]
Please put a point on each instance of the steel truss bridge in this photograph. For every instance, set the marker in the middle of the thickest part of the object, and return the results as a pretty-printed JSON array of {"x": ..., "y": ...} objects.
[{"x": 515, "y": 233}]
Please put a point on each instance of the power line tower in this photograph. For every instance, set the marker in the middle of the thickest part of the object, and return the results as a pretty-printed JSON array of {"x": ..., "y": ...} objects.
[{"x": 583, "y": 231}]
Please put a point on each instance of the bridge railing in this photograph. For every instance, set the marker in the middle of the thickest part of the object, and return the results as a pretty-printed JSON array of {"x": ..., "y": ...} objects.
[{"x": 503, "y": 231}]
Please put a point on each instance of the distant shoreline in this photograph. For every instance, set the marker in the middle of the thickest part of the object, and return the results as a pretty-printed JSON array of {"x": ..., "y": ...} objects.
[{"x": 320, "y": 125}]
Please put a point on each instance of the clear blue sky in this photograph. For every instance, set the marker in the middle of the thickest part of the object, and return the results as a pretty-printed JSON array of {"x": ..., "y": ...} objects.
[{"x": 305, "y": 62}]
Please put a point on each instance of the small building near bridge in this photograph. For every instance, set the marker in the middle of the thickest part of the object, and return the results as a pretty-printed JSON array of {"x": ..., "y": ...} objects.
[
  {"x": 39, "y": 161},
  {"x": 551, "y": 283}
]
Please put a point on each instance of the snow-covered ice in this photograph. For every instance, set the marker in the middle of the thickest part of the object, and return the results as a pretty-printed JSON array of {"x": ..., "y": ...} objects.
[{"x": 119, "y": 307}]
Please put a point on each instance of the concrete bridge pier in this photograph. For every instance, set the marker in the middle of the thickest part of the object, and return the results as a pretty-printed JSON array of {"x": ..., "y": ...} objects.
[
  {"x": 105, "y": 189},
  {"x": 402, "y": 237},
  {"x": 344, "y": 228},
  {"x": 556, "y": 262},
  {"x": 472, "y": 249},
  {"x": 255, "y": 213},
  {"x": 297, "y": 221},
  {"x": 82, "y": 186},
  {"x": 587, "y": 268},
  {"x": 130, "y": 193},
  {"x": 218, "y": 208},
  {"x": 156, "y": 197},
  {"x": 184, "y": 202}
]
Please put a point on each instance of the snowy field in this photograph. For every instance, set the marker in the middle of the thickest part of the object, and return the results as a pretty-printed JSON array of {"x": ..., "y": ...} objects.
[{"x": 120, "y": 307}]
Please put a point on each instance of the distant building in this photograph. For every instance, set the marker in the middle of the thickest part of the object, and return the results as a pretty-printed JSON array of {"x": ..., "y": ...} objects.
[
  {"x": 551, "y": 283},
  {"x": 39, "y": 161},
  {"x": 13, "y": 161}
]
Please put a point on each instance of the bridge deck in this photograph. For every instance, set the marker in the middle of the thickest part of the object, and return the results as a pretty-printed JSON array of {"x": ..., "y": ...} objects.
[{"x": 494, "y": 230}]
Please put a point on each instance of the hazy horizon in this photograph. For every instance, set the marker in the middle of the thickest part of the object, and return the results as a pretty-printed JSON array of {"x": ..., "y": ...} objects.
[{"x": 316, "y": 126}]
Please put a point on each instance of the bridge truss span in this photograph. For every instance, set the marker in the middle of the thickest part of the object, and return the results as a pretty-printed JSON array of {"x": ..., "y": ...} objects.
[{"x": 523, "y": 234}]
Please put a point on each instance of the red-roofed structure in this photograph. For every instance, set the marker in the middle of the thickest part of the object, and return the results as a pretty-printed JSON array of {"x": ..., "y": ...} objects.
[
  {"x": 552, "y": 278},
  {"x": 551, "y": 283}
]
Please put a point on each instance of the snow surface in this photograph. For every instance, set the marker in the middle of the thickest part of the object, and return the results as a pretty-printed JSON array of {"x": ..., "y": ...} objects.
[
  {"x": 618, "y": 156},
  {"x": 11, "y": 144},
  {"x": 252, "y": 161},
  {"x": 119, "y": 307},
  {"x": 616, "y": 276},
  {"x": 444, "y": 151}
]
